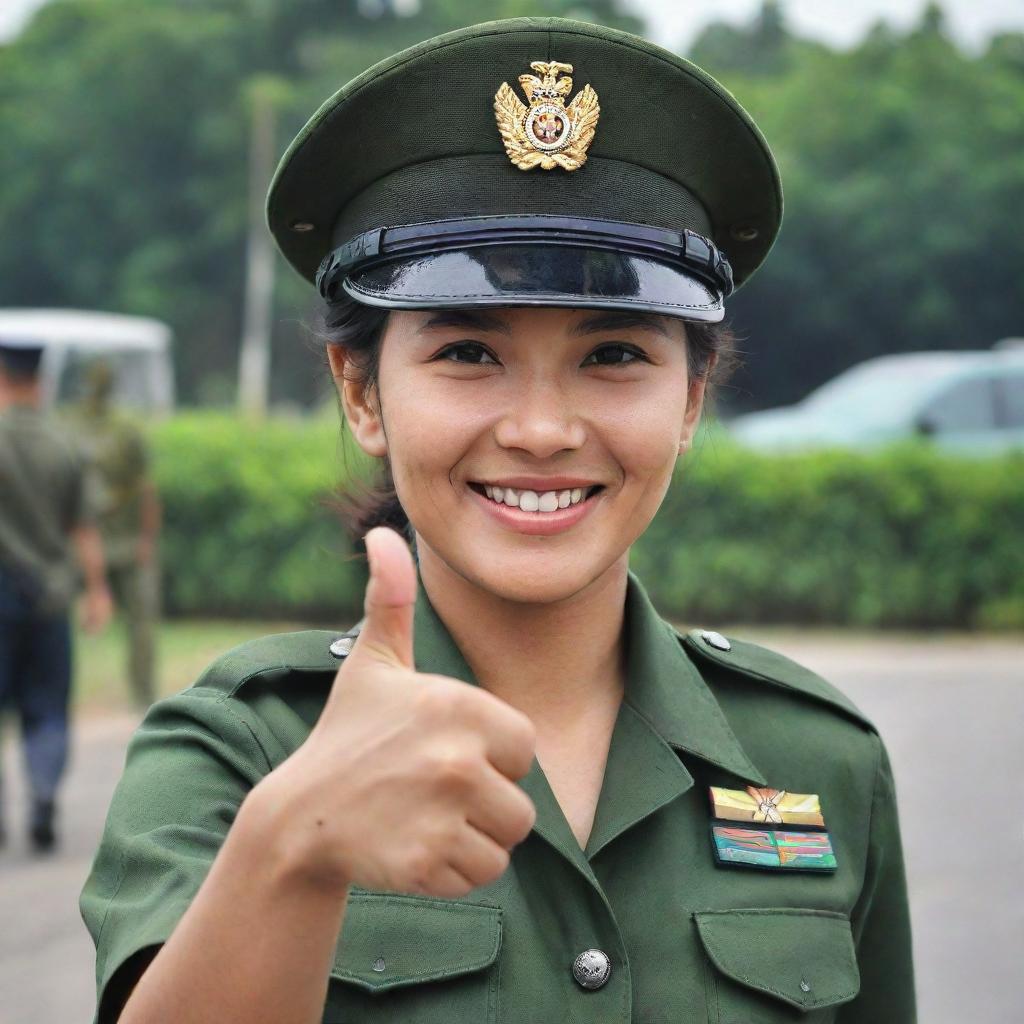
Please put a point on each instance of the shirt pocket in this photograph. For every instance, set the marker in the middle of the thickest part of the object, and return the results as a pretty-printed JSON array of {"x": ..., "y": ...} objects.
[
  {"x": 415, "y": 960},
  {"x": 770, "y": 965}
]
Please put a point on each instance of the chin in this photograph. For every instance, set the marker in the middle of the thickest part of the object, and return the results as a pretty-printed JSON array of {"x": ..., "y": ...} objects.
[{"x": 532, "y": 575}]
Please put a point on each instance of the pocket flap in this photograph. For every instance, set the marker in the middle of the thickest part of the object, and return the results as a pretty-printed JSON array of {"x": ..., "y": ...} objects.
[
  {"x": 804, "y": 957},
  {"x": 390, "y": 940}
]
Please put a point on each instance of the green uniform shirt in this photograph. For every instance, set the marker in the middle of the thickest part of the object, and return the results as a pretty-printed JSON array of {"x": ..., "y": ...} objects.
[
  {"x": 688, "y": 940},
  {"x": 45, "y": 493}
]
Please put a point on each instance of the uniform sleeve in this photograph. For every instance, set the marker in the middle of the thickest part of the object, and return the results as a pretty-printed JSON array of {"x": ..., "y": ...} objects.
[
  {"x": 188, "y": 767},
  {"x": 881, "y": 919}
]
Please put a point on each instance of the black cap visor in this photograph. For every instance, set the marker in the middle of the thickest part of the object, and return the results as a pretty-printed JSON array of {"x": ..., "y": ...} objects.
[{"x": 535, "y": 275}]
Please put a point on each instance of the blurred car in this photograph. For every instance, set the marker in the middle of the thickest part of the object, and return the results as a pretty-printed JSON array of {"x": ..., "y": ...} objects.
[
  {"x": 968, "y": 401},
  {"x": 137, "y": 348}
]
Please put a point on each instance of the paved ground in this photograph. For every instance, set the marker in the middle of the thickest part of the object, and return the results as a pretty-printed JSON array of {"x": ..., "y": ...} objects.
[{"x": 952, "y": 713}]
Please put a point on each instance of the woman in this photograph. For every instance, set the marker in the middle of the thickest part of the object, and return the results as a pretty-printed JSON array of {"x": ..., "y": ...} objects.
[{"x": 522, "y": 796}]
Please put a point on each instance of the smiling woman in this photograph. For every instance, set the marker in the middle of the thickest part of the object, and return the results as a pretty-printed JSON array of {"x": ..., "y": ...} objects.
[
  {"x": 353, "y": 334},
  {"x": 513, "y": 792}
]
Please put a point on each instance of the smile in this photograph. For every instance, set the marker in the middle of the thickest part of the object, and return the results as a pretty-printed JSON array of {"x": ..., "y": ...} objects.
[{"x": 535, "y": 501}]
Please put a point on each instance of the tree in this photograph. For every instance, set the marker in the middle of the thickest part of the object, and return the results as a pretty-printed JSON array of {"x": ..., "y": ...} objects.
[
  {"x": 902, "y": 162},
  {"x": 125, "y": 159}
]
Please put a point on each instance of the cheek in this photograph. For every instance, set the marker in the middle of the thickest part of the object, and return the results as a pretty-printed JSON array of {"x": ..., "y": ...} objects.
[
  {"x": 430, "y": 426},
  {"x": 643, "y": 435}
]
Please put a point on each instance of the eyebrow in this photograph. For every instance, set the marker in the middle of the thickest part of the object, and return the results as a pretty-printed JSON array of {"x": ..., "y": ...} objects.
[
  {"x": 618, "y": 321},
  {"x": 474, "y": 320}
]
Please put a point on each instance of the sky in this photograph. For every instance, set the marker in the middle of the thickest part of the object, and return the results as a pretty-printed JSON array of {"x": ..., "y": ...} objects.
[{"x": 674, "y": 23}]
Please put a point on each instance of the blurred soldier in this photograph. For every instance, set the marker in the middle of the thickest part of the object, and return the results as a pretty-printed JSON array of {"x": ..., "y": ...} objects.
[
  {"x": 128, "y": 518},
  {"x": 46, "y": 519}
]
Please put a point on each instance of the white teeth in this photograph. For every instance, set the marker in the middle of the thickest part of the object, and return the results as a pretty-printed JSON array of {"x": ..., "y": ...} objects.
[{"x": 532, "y": 501}]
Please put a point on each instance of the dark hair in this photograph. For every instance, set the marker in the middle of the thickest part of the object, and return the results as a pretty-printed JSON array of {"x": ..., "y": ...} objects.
[
  {"x": 359, "y": 328},
  {"x": 20, "y": 365}
]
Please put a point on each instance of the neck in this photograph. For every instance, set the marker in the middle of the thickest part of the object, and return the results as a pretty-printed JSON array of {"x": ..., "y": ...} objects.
[
  {"x": 551, "y": 661},
  {"x": 20, "y": 394}
]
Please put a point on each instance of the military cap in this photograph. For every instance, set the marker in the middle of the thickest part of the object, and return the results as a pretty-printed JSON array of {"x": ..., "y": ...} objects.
[{"x": 618, "y": 175}]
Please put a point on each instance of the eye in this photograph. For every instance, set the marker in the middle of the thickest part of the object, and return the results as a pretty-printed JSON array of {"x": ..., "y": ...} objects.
[
  {"x": 611, "y": 351},
  {"x": 471, "y": 350}
]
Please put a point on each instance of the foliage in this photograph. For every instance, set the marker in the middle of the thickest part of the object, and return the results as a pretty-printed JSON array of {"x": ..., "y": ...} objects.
[
  {"x": 904, "y": 537},
  {"x": 247, "y": 527},
  {"x": 902, "y": 161},
  {"x": 908, "y": 536},
  {"x": 125, "y": 156}
]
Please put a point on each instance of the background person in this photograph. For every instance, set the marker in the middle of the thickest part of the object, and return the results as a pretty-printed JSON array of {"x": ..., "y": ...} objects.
[
  {"x": 128, "y": 516},
  {"x": 46, "y": 523}
]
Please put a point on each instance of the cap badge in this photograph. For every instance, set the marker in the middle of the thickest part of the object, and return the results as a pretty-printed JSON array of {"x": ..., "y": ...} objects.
[{"x": 548, "y": 133}]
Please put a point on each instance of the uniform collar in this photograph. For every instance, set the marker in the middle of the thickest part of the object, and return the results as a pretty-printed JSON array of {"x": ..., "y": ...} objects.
[
  {"x": 667, "y": 708},
  {"x": 666, "y": 689},
  {"x": 663, "y": 685}
]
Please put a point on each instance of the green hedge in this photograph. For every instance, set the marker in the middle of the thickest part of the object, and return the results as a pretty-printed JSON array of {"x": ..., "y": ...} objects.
[
  {"x": 907, "y": 536},
  {"x": 902, "y": 537},
  {"x": 246, "y": 529}
]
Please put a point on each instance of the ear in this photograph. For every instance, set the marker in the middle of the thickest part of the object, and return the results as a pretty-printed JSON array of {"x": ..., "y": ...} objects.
[
  {"x": 360, "y": 405},
  {"x": 695, "y": 392}
]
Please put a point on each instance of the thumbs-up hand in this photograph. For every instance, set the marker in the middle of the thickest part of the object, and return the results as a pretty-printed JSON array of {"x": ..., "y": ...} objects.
[{"x": 407, "y": 781}]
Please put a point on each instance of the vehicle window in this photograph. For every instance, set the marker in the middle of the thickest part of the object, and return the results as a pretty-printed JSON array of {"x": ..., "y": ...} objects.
[
  {"x": 968, "y": 405},
  {"x": 134, "y": 372},
  {"x": 1011, "y": 404}
]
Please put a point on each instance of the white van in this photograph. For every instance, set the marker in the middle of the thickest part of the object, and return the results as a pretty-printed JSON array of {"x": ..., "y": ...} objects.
[{"x": 137, "y": 348}]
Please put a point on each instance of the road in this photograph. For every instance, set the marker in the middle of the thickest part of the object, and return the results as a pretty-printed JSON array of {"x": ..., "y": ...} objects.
[{"x": 952, "y": 714}]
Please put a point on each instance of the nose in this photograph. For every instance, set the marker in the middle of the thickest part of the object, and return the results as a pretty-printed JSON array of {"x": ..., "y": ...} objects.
[{"x": 540, "y": 420}]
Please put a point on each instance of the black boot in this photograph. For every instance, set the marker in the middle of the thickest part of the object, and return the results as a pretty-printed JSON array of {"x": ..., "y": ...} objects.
[{"x": 41, "y": 833}]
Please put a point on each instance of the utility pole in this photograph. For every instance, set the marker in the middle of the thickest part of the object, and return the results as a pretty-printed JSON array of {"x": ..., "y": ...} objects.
[{"x": 254, "y": 358}]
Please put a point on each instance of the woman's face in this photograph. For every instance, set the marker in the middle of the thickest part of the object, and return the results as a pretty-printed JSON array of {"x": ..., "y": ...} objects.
[{"x": 544, "y": 400}]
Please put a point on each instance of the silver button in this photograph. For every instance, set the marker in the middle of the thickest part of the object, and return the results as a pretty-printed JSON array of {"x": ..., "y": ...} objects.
[
  {"x": 804, "y": 987},
  {"x": 342, "y": 646},
  {"x": 716, "y": 640},
  {"x": 379, "y": 965},
  {"x": 591, "y": 968}
]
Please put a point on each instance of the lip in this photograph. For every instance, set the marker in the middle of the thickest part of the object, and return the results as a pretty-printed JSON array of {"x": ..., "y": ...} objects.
[
  {"x": 540, "y": 484},
  {"x": 537, "y": 524}
]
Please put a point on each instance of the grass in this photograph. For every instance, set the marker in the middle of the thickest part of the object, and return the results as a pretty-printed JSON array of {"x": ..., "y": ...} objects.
[{"x": 184, "y": 648}]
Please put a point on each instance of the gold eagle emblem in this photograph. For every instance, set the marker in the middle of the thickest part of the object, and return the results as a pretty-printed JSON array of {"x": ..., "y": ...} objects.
[{"x": 548, "y": 133}]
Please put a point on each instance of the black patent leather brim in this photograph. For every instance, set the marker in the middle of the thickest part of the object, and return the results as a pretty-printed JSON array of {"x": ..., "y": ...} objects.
[{"x": 535, "y": 275}]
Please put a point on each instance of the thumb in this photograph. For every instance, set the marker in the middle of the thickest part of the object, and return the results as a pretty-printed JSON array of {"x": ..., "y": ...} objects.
[{"x": 390, "y": 600}]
